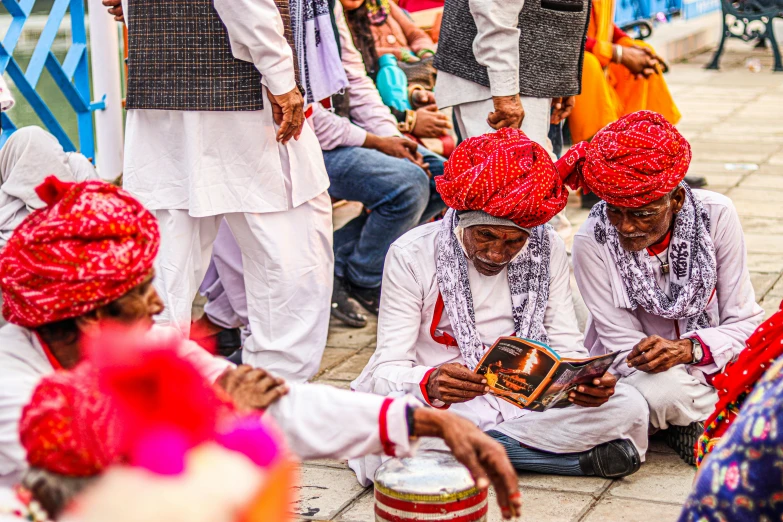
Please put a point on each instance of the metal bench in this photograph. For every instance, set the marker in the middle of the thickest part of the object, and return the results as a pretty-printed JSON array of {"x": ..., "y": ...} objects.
[{"x": 750, "y": 20}]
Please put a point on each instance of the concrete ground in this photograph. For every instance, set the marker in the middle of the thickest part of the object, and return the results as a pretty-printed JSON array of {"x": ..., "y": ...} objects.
[{"x": 734, "y": 121}]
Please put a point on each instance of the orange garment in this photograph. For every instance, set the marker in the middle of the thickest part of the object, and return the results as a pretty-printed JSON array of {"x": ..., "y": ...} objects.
[
  {"x": 398, "y": 33},
  {"x": 609, "y": 90}
]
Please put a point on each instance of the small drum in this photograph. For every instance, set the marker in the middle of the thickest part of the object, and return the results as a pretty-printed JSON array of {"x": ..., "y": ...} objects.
[{"x": 432, "y": 486}]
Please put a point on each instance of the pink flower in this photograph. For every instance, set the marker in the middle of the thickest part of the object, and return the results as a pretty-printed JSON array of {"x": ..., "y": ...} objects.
[{"x": 732, "y": 476}]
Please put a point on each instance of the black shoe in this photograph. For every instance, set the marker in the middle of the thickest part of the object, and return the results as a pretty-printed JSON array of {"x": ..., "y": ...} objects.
[
  {"x": 588, "y": 200},
  {"x": 369, "y": 298},
  {"x": 344, "y": 307},
  {"x": 228, "y": 341},
  {"x": 696, "y": 182},
  {"x": 682, "y": 439},
  {"x": 614, "y": 459}
]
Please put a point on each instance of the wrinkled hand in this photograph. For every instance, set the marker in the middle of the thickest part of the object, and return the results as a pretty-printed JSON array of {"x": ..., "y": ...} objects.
[
  {"x": 430, "y": 123},
  {"x": 656, "y": 354},
  {"x": 640, "y": 61},
  {"x": 288, "y": 112},
  {"x": 595, "y": 394},
  {"x": 421, "y": 98},
  {"x": 563, "y": 107},
  {"x": 485, "y": 458},
  {"x": 115, "y": 9},
  {"x": 252, "y": 389},
  {"x": 453, "y": 383},
  {"x": 508, "y": 112}
]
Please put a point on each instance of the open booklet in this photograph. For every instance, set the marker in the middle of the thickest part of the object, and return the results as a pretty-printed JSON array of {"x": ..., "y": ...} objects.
[{"x": 531, "y": 375}]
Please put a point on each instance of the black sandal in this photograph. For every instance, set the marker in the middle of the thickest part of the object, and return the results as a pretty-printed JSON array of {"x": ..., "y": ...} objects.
[
  {"x": 369, "y": 298},
  {"x": 345, "y": 308}
]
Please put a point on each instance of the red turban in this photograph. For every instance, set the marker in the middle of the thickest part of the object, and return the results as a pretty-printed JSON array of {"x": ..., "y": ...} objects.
[
  {"x": 90, "y": 245},
  {"x": 69, "y": 427},
  {"x": 629, "y": 163},
  {"x": 506, "y": 175}
]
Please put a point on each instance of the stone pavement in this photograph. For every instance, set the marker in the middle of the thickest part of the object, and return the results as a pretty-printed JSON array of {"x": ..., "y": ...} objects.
[{"x": 734, "y": 121}]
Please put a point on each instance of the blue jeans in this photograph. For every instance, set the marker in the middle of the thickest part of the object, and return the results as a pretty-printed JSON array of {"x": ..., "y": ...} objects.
[{"x": 399, "y": 195}]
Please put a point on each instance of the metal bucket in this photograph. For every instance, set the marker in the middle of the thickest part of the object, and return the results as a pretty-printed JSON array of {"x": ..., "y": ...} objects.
[{"x": 432, "y": 486}]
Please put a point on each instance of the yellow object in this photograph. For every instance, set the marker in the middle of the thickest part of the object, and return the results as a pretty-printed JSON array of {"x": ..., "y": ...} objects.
[{"x": 609, "y": 90}]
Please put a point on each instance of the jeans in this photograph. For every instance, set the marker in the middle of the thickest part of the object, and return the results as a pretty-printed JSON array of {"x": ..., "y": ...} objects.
[{"x": 399, "y": 196}]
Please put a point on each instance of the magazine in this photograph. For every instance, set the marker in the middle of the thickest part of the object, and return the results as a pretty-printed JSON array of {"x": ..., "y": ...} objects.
[{"x": 532, "y": 376}]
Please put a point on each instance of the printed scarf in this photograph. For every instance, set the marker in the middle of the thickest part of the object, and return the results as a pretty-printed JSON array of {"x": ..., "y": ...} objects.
[
  {"x": 693, "y": 274},
  {"x": 321, "y": 72},
  {"x": 528, "y": 279}
]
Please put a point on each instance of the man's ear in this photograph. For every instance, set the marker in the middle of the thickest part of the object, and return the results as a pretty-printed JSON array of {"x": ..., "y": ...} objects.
[
  {"x": 89, "y": 322},
  {"x": 678, "y": 199}
]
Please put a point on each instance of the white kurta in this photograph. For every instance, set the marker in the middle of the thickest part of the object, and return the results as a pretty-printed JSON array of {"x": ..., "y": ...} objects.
[
  {"x": 212, "y": 162},
  {"x": 312, "y": 417},
  {"x": 406, "y": 351},
  {"x": 733, "y": 314}
]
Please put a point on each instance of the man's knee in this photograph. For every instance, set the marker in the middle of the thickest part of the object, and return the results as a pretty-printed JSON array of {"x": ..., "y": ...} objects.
[
  {"x": 413, "y": 192},
  {"x": 630, "y": 405},
  {"x": 673, "y": 396}
]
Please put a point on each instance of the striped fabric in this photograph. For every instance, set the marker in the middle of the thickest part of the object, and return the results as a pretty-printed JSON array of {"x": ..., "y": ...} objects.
[{"x": 465, "y": 506}]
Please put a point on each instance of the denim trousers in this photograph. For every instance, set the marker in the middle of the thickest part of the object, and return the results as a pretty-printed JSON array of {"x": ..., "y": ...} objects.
[{"x": 399, "y": 196}]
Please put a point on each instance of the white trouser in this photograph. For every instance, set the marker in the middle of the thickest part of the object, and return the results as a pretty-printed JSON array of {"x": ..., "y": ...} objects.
[
  {"x": 472, "y": 118},
  {"x": 575, "y": 428},
  {"x": 674, "y": 396},
  {"x": 224, "y": 284},
  {"x": 288, "y": 266}
]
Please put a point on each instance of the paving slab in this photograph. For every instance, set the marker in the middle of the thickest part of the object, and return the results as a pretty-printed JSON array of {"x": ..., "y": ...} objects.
[
  {"x": 763, "y": 281},
  {"x": 346, "y": 337},
  {"x": 333, "y": 356},
  {"x": 351, "y": 368},
  {"x": 324, "y": 492},
  {"x": 545, "y": 506},
  {"x": 590, "y": 485},
  {"x": 663, "y": 478},
  {"x": 616, "y": 509},
  {"x": 363, "y": 510}
]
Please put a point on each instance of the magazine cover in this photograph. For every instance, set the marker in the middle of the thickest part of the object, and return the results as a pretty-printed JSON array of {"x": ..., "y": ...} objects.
[{"x": 532, "y": 376}]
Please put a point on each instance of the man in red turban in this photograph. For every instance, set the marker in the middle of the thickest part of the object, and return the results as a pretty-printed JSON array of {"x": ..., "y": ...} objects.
[
  {"x": 493, "y": 268},
  {"x": 70, "y": 432},
  {"x": 662, "y": 269},
  {"x": 86, "y": 260}
]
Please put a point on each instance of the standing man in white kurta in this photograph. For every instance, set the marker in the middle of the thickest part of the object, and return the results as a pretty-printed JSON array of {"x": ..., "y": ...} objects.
[
  {"x": 212, "y": 109},
  {"x": 489, "y": 269},
  {"x": 502, "y": 64},
  {"x": 663, "y": 271}
]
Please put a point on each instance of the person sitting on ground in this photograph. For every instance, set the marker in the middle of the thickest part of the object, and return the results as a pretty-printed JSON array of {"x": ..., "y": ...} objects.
[
  {"x": 620, "y": 76},
  {"x": 739, "y": 379},
  {"x": 369, "y": 161},
  {"x": 491, "y": 268},
  {"x": 662, "y": 269},
  {"x": 380, "y": 27},
  {"x": 86, "y": 260},
  {"x": 28, "y": 156},
  {"x": 741, "y": 480}
]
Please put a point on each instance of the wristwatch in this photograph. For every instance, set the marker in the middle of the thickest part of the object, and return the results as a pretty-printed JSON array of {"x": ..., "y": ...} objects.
[{"x": 698, "y": 351}]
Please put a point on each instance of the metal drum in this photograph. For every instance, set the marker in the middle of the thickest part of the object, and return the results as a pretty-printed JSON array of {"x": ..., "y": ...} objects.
[{"x": 432, "y": 486}]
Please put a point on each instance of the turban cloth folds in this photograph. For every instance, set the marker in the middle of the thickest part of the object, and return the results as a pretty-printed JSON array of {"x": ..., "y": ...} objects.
[
  {"x": 629, "y": 163},
  {"x": 69, "y": 427},
  {"x": 506, "y": 175},
  {"x": 90, "y": 245}
]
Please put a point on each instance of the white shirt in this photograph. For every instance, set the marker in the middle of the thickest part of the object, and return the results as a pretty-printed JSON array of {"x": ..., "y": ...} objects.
[
  {"x": 406, "y": 351},
  {"x": 312, "y": 417},
  {"x": 733, "y": 312},
  {"x": 496, "y": 47},
  {"x": 213, "y": 162}
]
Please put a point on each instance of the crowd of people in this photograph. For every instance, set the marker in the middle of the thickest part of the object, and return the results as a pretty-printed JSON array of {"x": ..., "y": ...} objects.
[{"x": 245, "y": 120}]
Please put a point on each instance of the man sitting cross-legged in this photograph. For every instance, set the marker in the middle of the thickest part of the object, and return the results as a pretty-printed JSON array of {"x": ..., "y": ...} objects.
[
  {"x": 662, "y": 269},
  {"x": 491, "y": 268},
  {"x": 85, "y": 260}
]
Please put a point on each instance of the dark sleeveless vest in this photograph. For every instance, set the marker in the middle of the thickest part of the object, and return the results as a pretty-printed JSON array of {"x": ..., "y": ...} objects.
[
  {"x": 551, "y": 46},
  {"x": 179, "y": 58}
]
